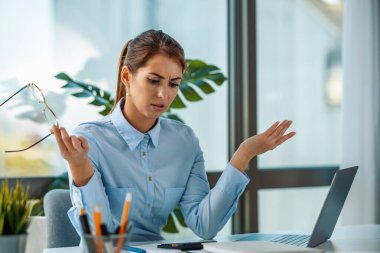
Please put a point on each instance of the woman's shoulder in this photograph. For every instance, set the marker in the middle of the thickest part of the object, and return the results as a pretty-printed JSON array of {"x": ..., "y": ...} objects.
[
  {"x": 91, "y": 127},
  {"x": 175, "y": 125}
]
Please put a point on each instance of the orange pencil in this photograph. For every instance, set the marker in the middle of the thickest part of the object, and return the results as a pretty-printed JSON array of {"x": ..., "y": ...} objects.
[
  {"x": 124, "y": 217},
  {"x": 97, "y": 221},
  {"x": 124, "y": 220},
  {"x": 97, "y": 225}
]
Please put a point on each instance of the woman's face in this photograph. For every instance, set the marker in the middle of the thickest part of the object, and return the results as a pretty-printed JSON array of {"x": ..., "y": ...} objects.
[{"x": 154, "y": 86}]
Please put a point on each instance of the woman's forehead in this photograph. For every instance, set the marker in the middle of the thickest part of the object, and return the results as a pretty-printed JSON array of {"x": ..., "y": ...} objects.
[{"x": 163, "y": 65}]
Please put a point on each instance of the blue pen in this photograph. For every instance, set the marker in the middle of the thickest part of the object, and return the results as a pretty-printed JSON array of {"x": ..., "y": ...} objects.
[{"x": 134, "y": 249}]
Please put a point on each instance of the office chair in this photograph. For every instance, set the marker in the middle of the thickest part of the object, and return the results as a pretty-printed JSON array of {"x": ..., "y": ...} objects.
[{"x": 60, "y": 232}]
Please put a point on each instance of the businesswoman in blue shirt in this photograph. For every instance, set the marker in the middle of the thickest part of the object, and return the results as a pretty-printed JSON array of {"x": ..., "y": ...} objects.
[{"x": 159, "y": 160}]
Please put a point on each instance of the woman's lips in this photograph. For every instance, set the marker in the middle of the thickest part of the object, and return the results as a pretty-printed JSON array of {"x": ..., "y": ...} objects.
[{"x": 158, "y": 107}]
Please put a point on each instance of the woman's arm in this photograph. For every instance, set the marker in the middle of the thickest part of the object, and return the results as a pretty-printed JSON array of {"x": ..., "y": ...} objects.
[
  {"x": 261, "y": 143},
  {"x": 207, "y": 211},
  {"x": 86, "y": 187}
]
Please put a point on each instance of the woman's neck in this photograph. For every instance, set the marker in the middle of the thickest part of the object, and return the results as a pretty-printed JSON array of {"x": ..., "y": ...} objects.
[{"x": 138, "y": 121}]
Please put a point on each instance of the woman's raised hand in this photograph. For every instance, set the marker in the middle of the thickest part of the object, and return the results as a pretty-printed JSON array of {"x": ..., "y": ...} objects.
[
  {"x": 75, "y": 151},
  {"x": 261, "y": 143}
]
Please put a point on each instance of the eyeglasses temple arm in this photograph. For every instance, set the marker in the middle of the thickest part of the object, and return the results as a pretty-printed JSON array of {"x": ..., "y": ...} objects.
[
  {"x": 13, "y": 151},
  {"x": 13, "y": 95}
]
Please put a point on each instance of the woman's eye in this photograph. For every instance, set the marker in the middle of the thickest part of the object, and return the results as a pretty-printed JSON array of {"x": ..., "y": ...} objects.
[
  {"x": 153, "y": 81},
  {"x": 173, "y": 85}
]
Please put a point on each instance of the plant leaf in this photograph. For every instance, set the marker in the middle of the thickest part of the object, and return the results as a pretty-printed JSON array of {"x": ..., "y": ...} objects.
[
  {"x": 63, "y": 76},
  {"x": 170, "y": 226},
  {"x": 177, "y": 103},
  {"x": 198, "y": 73},
  {"x": 178, "y": 214},
  {"x": 189, "y": 93},
  {"x": 69, "y": 85},
  {"x": 98, "y": 101},
  {"x": 82, "y": 94},
  {"x": 204, "y": 86},
  {"x": 101, "y": 97},
  {"x": 14, "y": 208},
  {"x": 37, "y": 208}
]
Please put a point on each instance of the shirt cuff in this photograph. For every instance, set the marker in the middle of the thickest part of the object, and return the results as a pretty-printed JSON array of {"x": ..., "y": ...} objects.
[
  {"x": 232, "y": 181},
  {"x": 89, "y": 194}
]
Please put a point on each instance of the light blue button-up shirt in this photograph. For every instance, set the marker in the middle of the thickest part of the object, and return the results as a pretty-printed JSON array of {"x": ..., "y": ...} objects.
[{"x": 161, "y": 168}]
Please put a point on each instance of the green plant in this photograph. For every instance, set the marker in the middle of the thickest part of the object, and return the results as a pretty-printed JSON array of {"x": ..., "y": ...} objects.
[
  {"x": 198, "y": 75},
  {"x": 14, "y": 209}
]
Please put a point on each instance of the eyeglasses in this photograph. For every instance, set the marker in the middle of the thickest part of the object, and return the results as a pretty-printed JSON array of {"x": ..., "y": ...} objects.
[{"x": 50, "y": 116}]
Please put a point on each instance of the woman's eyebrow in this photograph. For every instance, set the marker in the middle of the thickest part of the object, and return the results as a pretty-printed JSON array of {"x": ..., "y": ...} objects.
[{"x": 173, "y": 79}]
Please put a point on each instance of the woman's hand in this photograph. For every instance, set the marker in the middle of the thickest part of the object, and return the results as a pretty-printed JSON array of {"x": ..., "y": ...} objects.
[
  {"x": 75, "y": 151},
  {"x": 261, "y": 143}
]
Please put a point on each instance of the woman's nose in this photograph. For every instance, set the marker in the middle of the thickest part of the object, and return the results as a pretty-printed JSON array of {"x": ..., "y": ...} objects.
[{"x": 162, "y": 92}]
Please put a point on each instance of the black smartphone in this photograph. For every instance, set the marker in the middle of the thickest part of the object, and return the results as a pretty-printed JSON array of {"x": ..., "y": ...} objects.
[{"x": 185, "y": 246}]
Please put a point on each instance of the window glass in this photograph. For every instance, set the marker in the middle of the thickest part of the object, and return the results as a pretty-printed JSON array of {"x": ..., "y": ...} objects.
[
  {"x": 292, "y": 209},
  {"x": 300, "y": 78},
  {"x": 83, "y": 39}
]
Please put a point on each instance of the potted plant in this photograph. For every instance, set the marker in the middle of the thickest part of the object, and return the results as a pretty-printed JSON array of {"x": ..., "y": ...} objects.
[{"x": 14, "y": 217}]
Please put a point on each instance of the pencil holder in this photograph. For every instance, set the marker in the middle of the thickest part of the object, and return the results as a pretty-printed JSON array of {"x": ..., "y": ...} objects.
[{"x": 114, "y": 243}]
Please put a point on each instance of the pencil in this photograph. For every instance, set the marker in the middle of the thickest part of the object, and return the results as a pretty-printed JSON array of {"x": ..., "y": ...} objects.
[
  {"x": 124, "y": 217},
  {"x": 97, "y": 221},
  {"x": 98, "y": 229},
  {"x": 84, "y": 222},
  {"x": 124, "y": 220}
]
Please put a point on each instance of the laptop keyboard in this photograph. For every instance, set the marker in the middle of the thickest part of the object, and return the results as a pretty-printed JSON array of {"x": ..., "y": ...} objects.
[{"x": 297, "y": 240}]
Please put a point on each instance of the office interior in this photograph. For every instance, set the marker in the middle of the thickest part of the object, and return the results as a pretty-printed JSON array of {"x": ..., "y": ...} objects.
[{"x": 316, "y": 62}]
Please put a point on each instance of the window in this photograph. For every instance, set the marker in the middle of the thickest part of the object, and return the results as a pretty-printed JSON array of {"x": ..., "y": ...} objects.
[
  {"x": 69, "y": 36},
  {"x": 298, "y": 78},
  {"x": 285, "y": 64}
]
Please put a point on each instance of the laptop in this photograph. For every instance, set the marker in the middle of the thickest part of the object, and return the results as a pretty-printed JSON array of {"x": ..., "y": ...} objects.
[{"x": 327, "y": 219}]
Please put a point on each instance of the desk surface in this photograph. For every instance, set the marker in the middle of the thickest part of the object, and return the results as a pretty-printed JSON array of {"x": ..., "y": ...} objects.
[{"x": 357, "y": 238}]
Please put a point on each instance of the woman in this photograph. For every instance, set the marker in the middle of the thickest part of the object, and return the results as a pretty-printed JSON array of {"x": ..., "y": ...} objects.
[{"x": 157, "y": 159}]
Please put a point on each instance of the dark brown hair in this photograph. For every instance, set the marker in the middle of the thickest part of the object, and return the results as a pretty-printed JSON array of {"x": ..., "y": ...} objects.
[{"x": 139, "y": 50}]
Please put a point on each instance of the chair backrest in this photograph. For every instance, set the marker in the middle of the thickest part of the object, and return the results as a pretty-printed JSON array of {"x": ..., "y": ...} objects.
[{"x": 60, "y": 231}]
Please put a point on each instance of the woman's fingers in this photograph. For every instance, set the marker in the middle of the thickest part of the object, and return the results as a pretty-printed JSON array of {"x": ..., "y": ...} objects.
[
  {"x": 281, "y": 129},
  {"x": 72, "y": 148},
  {"x": 67, "y": 140},
  {"x": 76, "y": 143},
  {"x": 84, "y": 142},
  {"x": 285, "y": 138},
  {"x": 271, "y": 129},
  {"x": 284, "y": 128},
  {"x": 58, "y": 137}
]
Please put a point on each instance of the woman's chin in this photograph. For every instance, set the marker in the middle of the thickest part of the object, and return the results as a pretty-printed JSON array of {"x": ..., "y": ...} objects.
[{"x": 153, "y": 115}]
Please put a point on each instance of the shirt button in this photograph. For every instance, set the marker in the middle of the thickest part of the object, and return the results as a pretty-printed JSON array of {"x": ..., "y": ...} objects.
[
  {"x": 144, "y": 153},
  {"x": 79, "y": 204},
  {"x": 145, "y": 137},
  {"x": 150, "y": 178}
]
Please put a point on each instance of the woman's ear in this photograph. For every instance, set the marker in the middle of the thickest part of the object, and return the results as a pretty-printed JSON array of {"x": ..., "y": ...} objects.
[{"x": 125, "y": 76}]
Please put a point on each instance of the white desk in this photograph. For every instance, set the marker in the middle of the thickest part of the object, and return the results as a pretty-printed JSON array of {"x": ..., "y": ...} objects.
[{"x": 359, "y": 238}]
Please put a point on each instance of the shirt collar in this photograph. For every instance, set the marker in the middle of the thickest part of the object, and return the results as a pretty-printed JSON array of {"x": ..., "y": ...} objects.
[{"x": 131, "y": 135}]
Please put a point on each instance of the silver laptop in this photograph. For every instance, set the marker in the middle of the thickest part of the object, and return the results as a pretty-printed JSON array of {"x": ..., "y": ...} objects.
[{"x": 328, "y": 216}]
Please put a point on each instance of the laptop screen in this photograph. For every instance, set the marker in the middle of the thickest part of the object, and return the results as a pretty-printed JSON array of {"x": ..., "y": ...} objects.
[{"x": 333, "y": 205}]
